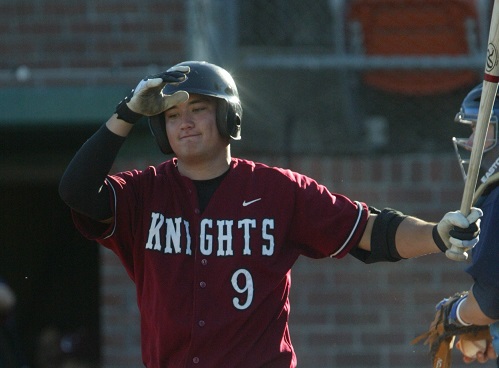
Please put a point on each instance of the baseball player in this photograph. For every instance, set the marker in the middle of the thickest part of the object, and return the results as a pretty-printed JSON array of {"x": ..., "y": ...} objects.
[
  {"x": 208, "y": 239},
  {"x": 480, "y": 305}
]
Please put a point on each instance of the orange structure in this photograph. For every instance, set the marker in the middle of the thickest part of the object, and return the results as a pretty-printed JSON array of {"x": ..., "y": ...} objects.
[{"x": 416, "y": 28}]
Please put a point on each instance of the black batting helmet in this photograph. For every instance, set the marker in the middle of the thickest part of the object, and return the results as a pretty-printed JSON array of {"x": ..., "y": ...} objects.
[{"x": 210, "y": 80}]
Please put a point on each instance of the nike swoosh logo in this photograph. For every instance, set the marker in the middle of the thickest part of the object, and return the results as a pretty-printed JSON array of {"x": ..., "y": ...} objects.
[{"x": 250, "y": 202}]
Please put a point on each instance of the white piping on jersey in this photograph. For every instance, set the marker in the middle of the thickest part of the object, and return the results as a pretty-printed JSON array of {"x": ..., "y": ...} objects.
[
  {"x": 359, "y": 215},
  {"x": 114, "y": 222}
]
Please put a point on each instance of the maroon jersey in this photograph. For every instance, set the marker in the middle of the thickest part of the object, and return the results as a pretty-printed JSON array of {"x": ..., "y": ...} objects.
[{"x": 213, "y": 286}]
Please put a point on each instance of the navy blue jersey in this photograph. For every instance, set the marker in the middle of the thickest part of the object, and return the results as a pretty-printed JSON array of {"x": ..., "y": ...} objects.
[{"x": 485, "y": 258}]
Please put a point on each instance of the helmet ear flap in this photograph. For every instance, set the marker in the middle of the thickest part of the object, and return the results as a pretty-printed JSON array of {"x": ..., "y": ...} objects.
[
  {"x": 158, "y": 130},
  {"x": 228, "y": 120}
]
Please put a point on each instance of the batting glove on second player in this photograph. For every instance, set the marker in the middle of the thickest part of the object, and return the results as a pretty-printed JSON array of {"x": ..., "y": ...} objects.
[
  {"x": 457, "y": 230},
  {"x": 147, "y": 99}
]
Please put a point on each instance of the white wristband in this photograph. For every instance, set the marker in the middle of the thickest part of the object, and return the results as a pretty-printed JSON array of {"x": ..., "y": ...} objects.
[{"x": 458, "y": 316}]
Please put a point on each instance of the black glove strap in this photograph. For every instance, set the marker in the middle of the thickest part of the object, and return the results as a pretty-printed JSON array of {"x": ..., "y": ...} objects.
[
  {"x": 438, "y": 240},
  {"x": 125, "y": 114},
  {"x": 468, "y": 233}
]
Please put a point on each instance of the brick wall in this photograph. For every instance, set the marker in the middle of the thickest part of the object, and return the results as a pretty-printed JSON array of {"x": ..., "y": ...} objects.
[
  {"x": 343, "y": 313},
  {"x": 49, "y": 37}
]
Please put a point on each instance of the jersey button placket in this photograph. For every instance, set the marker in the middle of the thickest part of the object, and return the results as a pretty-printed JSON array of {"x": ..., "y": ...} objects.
[
  {"x": 202, "y": 323},
  {"x": 197, "y": 330}
]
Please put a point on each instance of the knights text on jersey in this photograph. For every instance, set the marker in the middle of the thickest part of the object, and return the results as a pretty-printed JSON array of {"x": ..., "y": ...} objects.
[{"x": 213, "y": 286}]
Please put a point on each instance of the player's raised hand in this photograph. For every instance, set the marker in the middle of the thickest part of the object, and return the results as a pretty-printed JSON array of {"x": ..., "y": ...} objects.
[
  {"x": 459, "y": 230},
  {"x": 147, "y": 99}
]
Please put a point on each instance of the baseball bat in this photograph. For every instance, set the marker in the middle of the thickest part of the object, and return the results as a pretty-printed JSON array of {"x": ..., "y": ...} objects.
[{"x": 489, "y": 92}]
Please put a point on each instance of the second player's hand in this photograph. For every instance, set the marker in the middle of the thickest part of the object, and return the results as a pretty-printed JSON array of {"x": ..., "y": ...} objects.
[
  {"x": 148, "y": 99},
  {"x": 484, "y": 357},
  {"x": 457, "y": 230}
]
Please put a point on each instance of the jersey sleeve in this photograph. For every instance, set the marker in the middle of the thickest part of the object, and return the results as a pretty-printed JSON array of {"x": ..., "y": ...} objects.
[
  {"x": 118, "y": 187},
  {"x": 326, "y": 223},
  {"x": 124, "y": 190}
]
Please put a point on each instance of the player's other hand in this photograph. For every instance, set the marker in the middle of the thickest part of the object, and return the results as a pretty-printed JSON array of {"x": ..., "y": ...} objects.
[
  {"x": 484, "y": 357},
  {"x": 461, "y": 231},
  {"x": 148, "y": 98}
]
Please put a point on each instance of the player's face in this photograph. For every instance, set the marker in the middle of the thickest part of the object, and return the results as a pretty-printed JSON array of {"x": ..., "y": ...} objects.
[
  {"x": 192, "y": 130},
  {"x": 489, "y": 138}
]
